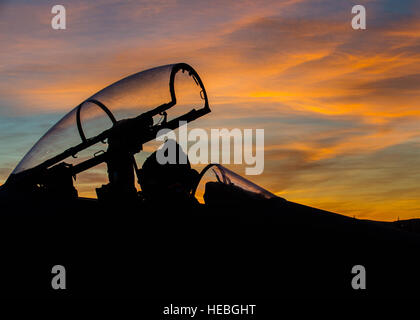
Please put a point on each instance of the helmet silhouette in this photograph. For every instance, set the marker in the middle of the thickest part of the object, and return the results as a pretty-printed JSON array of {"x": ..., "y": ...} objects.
[{"x": 167, "y": 173}]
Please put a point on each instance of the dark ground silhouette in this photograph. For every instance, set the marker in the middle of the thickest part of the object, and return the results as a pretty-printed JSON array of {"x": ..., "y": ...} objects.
[{"x": 223, "y": 250}]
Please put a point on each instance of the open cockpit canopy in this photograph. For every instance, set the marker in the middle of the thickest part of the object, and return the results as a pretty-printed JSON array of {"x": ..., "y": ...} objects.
[{"x": 154, "y": 90}]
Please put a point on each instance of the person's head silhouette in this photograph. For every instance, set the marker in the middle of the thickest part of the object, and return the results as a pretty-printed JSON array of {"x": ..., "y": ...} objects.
[{"x": 168, "y": 182}]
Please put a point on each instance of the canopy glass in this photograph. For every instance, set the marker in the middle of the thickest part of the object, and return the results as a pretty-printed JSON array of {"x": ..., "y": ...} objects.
[
  {"x": 176, "y": 84},
  {"x": 221, "y": 174}
]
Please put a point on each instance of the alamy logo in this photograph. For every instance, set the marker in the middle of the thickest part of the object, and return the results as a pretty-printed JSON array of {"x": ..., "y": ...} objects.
[
  {"x": 58, "y": 22},
  {"x": 359, "y": 280},
  {"x": 214, "y": 149},
  {"x": 359, "y": 20},
  {"x": 59, "y": 280}
]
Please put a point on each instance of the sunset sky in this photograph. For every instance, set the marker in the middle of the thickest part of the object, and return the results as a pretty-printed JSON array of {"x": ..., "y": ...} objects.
[{"x": 340, "y": 107}]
